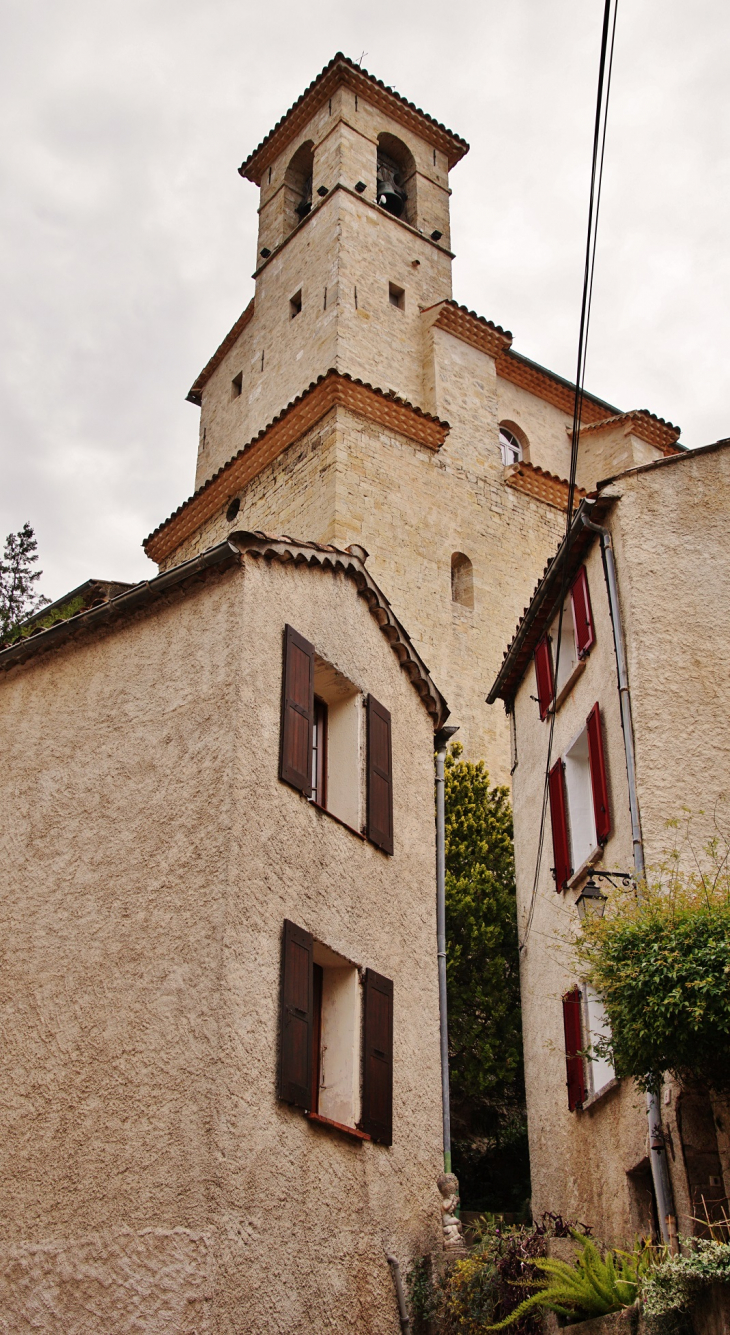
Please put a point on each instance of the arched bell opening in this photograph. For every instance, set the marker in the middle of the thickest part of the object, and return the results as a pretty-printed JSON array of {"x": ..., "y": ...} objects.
[
  {"x": 462, "y": 580},
  {"x": 396, "y": 178},
  {"x": 298, "y": 186}
]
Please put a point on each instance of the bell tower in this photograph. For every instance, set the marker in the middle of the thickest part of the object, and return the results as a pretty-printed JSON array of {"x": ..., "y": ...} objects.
[{"x": 353, "y": 245}]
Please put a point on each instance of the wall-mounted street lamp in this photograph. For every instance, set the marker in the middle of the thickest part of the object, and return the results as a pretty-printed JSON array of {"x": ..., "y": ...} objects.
[{"x": 591, "y": 902}]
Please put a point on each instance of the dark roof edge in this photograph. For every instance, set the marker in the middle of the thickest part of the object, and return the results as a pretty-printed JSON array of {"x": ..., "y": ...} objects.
[
  {"x": 685, "y": 454},
  {"x": 571, "y": 553},
  {"x": 512, "y": 355},
  {"x": 134, "y": 598}
]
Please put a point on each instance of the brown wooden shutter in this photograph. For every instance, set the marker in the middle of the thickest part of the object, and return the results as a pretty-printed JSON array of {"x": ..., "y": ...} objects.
[
  {"x": 559, "y": 821},
  {"x": 297, "y": 712},
  {"x": 377, "y": 1075},
  {"x": 380, "y": 776},
  {"x": 297, "y": 1017},
  {"x": 585, "y": 635},
  {"x": 599, "y": 782},
  {"x": 544, "y": 675},
  {"x": 576, "y": 1080}
]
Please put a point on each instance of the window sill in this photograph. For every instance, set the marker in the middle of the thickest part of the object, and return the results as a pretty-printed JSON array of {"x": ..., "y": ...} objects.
[
  {"x": 585, "y": 868},
  {"x": 608, "y": 1088},
  {"x": 577, "y": 672},
  {"x": 338, "y": 819},
  {"x": 350, "y": 1131}
]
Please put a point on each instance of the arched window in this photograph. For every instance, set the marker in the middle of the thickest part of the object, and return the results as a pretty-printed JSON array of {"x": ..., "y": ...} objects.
[
  {"x": 298, "y": 186},
  {"x": 462, "y": 580},
  {"x": 510, "y": 446},
  {"x": 396, "y": 178}
]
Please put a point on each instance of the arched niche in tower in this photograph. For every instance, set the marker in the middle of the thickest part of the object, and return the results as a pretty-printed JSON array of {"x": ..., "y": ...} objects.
[
  {"x": 298, "y": 186},
  {"x": 397, "y": 178},
  {"x": 462, "y": 580}
]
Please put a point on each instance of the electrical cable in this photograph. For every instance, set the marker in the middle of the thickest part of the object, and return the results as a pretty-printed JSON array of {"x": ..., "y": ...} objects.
[{"x": 605, "y": 69}]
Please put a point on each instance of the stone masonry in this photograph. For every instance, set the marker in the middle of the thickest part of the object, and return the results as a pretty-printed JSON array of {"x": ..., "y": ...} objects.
[{"x": 397, "y": 450}]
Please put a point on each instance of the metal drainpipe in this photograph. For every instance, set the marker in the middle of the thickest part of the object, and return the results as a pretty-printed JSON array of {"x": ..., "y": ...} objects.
[
  {"x": 405, "y": 1322},
  {"x": 657, "y": 1146},
  {"x": 441, "y": 742}
]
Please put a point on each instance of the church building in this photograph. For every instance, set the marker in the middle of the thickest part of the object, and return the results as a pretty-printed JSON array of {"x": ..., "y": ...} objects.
[
  {"x": 355, "y": 402},
  {"x": 220, "y": 1069}
]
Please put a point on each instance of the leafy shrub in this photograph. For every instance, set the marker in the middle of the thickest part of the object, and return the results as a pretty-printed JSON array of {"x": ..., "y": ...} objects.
[
  {"x": 660, "y": 959},
  {"x": 676, "y": 1282}
]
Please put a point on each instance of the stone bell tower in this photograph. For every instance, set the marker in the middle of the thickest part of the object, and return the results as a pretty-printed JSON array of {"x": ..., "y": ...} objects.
[
  {"x": 353, "y": 243},
  {"x": 354, "y": 402}
]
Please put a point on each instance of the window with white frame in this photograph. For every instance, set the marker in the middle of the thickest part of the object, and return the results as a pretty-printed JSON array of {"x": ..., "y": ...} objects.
[
  {"x": 510, "y": 447},
  {"x": 600, "y": 1069},
  {"x": 581, "y": 819}
]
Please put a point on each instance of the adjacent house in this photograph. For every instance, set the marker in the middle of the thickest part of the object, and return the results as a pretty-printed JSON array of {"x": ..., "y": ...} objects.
[
  {"x": 220, "y": 1061},
  {"x": 619, "y": 712}
]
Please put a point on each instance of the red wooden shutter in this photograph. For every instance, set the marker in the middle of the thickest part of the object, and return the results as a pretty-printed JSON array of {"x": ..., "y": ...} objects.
[
  {"x": 585, "y": 635},
  {"x": 297, "y": 712},
  {"x": 559, "y": 822},
  {"x": 297, "y": 1017},
  {"x": 599, "y": 782},
  {"x": 377, "y": 1075},
  {"x": 380, "y": 776},
  {"x": 576, "y": 1080},
  {"x": 544, "y": 675}
]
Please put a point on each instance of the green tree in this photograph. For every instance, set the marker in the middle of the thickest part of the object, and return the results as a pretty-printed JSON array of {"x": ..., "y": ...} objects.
[
  {"x": 18, "y": 596},
  {"x": 660, "y": 959},
  {"x": 485, "y": 1044}
]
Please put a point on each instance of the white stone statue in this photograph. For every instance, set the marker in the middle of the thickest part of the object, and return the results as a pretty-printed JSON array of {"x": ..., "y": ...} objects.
[{"x": 448, "y": 1185}]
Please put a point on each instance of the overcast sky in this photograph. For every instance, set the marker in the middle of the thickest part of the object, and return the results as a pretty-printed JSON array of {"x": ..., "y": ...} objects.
[{"x": 128, "y": 238}]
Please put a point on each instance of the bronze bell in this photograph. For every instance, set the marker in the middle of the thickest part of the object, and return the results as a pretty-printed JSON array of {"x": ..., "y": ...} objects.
[{"x": 391, "y": 196}]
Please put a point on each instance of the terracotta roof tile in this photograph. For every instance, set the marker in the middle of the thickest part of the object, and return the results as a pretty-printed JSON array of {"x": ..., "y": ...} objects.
[
  {"x": 332, "y": 389},
  {"x": 343, "y": 70}
]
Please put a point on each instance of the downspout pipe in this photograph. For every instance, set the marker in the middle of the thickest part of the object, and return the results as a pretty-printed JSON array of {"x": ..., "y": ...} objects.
[
  {"x": 657, "y": 1145},
  {"x": 405, "y": 1321},
  {"x": 441, "y": 742}
]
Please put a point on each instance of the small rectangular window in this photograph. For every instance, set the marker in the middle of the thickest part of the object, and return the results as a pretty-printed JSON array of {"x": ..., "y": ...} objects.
[
  {"x": 237, "y": 385},
  {"x": 397, "y": 296},
  {"x": 295, "y": 305}
]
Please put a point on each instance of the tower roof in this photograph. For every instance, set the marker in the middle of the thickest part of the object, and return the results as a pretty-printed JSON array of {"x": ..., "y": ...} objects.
[{"x": 342, "y": 70}]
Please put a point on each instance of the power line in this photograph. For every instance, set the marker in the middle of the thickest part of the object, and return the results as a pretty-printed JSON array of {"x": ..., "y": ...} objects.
[{"x": 605, "y": 69}]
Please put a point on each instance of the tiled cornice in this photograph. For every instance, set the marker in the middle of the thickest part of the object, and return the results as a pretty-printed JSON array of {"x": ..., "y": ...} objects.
[
  {"x": 340, "y": 71},
  {"x": 331, "y": 390}
]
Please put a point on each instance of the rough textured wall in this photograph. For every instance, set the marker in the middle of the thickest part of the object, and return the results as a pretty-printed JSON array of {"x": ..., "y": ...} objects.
[
  {"x": 578, "y": 1160},
  {"x": 151, "y": 1180},
  {"x": 673, "y": 565},
  {"x": 329, "y": 1206}
]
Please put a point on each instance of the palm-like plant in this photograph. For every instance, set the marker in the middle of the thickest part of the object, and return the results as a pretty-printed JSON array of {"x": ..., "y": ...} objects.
[{"x": 593, "y": 1286}]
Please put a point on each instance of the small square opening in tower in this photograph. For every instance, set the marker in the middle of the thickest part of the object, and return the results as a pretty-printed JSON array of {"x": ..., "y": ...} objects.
[
  {"x": 295, "y": 304},
  {"x": 397, "y": 296},
  {"x": 237, "y": 385}
]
